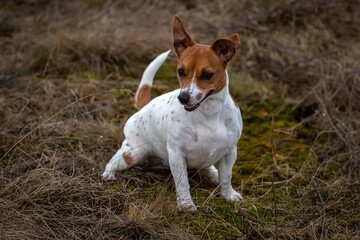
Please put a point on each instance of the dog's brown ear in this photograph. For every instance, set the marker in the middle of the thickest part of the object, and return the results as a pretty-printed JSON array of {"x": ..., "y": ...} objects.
[
  {"x": 181, "y": 40},
  {"x": 225, "y": 48}
]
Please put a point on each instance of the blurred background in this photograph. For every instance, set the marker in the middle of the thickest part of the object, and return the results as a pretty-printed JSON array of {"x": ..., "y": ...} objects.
[{"x": 68, "y": 74}]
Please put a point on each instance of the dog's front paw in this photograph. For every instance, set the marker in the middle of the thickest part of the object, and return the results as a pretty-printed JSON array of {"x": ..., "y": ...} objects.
[
  {"x": 232, "y": 195},
  {"x": 108, "y": 175},
  {"x": 186, "y": 205}
]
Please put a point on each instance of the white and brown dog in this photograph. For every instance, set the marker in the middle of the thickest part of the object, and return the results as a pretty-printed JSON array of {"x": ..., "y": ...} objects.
[{"x": 193, "y": 127}]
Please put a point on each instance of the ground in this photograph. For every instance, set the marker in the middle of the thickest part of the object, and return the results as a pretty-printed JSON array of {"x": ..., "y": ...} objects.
[{"x": 68, "y": 74}]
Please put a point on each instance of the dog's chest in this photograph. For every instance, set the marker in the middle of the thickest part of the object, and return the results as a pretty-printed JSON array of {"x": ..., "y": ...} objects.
[{"x": 204, "y": 144}]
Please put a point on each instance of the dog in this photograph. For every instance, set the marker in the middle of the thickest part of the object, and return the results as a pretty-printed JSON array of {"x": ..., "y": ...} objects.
[{"x": 193, "y": 127}]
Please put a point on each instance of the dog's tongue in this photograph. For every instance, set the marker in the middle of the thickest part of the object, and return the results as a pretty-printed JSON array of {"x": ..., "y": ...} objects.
[{"x": 190, "y": 106}]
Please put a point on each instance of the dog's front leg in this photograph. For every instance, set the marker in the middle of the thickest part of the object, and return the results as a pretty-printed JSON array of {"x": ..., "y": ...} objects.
[
  {"x": 178, "y": 169},
  {"x": 225, "y": 173}
]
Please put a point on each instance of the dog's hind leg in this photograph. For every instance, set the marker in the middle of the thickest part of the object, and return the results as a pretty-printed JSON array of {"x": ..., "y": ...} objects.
[
  {"x": 213, "y": 174},
  {"x": 126, "y": 157}
]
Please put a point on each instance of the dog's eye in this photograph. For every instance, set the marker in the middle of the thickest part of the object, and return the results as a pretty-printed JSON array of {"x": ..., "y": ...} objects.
[
  {"x": 206, "y": 75},
  {"x": 181, "y": 72}
]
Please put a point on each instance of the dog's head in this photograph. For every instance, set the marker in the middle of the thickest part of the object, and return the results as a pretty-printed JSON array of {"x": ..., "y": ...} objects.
[{"x": 201, "y": 68}]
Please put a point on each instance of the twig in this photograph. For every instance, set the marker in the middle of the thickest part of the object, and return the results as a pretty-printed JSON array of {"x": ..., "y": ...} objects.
[
  {"x": 273, "y": 149},
  {"x": 324, "y": 213},
  {"x": 344, "y": 82},
  {"x": 302, "y": 121},
  {"x": 328, "y": 116},
  {"x": 252, "y": 226},
  {"x": 275, "y": 207},
  {"x": 334, "y": 186}
]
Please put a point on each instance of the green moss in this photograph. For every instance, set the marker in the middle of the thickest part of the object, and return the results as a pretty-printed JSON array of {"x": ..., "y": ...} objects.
[{"x": 263, "y": 134}]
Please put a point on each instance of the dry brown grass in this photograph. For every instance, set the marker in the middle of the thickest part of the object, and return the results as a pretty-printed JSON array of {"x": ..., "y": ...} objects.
[
  {"x": 68, "y": 71},
  {"x": 50, "y": 185}
]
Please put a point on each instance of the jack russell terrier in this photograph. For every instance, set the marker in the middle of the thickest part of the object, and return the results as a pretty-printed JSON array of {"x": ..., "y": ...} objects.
[{"x": 193, "y": 127}]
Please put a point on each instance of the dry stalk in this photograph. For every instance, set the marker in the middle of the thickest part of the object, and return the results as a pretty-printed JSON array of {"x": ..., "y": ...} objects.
[
  {"x": 324, "y": 213},
  {"x": 252, "y": 226},
  {"x": 331, "y": 122},
  {"x": 275, "y": 207},
  {"x": 335, "y": 186}
]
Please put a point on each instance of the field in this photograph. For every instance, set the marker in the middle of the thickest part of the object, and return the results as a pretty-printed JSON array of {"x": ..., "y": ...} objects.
[{"x": 68, "y": 74}]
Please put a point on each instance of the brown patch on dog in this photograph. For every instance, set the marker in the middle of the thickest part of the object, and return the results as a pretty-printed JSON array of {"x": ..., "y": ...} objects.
[
  {"x": 194, "y": 61},
  {"x": 142, "y": 96},
  {"x": 127, "y": 158},
  {"x": 236, "y": 105},
  {"x": 128, "y": 145},
  {"x": 137, "y": 134},
  {"x": 199, "y": 96}
]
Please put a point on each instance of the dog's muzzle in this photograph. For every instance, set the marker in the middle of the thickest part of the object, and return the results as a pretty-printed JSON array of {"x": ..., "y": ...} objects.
[{"x": 184, "y": 99}]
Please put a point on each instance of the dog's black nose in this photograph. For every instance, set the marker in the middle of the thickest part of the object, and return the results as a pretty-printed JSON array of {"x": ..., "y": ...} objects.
[{"x": 184, "y": 98}]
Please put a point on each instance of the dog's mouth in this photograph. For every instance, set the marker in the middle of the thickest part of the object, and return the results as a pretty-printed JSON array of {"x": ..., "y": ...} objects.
[{"x": 190, "y": 108}]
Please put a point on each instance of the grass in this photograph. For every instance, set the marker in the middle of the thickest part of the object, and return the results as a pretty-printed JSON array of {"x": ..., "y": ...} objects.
[{"x": 68, "y": 73}]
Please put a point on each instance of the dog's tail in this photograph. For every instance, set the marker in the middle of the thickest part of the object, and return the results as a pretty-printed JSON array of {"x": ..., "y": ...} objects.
[{"x": 142, "y": 96}]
